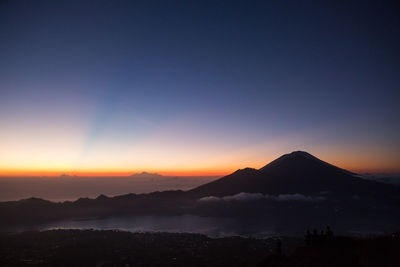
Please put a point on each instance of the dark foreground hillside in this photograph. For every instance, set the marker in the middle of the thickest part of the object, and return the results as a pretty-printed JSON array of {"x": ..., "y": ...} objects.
[
  {"x": 339, "y": 251},
  {"x": 115, "y": 248}
]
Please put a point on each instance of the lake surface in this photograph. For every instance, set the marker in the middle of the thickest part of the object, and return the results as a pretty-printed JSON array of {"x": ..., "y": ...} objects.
[{"x": 210, "y": 226}]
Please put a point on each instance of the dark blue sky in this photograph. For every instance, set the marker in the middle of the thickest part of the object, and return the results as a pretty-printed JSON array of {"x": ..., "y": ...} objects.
[{"x": 210, "y": 77}]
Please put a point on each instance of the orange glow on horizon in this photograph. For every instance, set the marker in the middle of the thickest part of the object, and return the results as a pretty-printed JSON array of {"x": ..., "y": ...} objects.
[
  {"x": 370, "y": 161},
  {"x": 55, "y": 173},
  {"x": 172, "y": 172}
]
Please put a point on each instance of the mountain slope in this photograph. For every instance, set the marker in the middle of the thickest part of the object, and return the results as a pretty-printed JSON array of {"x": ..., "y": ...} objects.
[
  {"x": 297, "y": 172},
  {"x": 345, "y": 201}
]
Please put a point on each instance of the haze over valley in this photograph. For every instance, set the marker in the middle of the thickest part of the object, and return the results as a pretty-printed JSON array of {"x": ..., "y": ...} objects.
[{"x": 66, "y": 187}]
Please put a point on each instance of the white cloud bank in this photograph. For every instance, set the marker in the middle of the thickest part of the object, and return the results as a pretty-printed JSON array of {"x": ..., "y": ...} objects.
[{"x": 257, "y": 196}]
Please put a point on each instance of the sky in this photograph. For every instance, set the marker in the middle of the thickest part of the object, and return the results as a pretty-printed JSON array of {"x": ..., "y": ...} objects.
[{"x": 197, "y": 87}]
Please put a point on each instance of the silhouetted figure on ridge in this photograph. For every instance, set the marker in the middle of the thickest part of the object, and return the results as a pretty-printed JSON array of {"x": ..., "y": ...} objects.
[
  {"x": 321, "y": 237},
  {"x": 314, "y": 237},
  {"x": 307, "y": 238},
  {"x": 318, "y": 239},
  {"x": 328, "y": 233},
  {"x": 278, "y": 247}
]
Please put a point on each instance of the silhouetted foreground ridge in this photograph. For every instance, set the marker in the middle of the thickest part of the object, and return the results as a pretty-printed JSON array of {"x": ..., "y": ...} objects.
[
  {"x": 326, "y": 250},
  {"x": 114, "y": 248}
]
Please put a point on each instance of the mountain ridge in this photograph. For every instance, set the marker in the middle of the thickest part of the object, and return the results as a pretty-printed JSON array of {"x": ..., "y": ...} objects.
[
  {"x": 295, "y": 172},
  {"x": 294, "y": 192}
]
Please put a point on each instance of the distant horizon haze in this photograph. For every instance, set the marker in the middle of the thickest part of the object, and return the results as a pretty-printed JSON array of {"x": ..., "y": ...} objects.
[
  {"x": 70, "y": 188},
  {"x": 180, "y": 172}
]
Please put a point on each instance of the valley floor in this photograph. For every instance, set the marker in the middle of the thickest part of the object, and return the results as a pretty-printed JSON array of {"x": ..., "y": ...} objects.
[{"x": 116, "y": 248}]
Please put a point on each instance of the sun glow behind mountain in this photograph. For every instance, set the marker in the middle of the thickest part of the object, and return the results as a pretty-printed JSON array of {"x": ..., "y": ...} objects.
[
  {"x": 51, "y": 144},
  {"x": 131, "y": 86},
  {"x": 122, "y": 163}
]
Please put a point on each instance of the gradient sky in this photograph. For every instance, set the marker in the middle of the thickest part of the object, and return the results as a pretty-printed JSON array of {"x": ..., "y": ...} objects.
[{"x": 206, "y": 87}]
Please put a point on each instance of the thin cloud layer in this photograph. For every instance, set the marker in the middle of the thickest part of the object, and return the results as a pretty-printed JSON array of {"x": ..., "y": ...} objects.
[{"x": 243, "y": 196}]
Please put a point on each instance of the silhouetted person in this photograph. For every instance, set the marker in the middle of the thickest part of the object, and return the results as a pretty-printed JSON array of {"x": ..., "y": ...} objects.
[
  {"x": 322, "y": 237},
  {"x": 307, "y": 238},
  {"x": 328, "y": 233},
  {"x": 279, "y": 247},
  {"x": 314, "y": 237}
]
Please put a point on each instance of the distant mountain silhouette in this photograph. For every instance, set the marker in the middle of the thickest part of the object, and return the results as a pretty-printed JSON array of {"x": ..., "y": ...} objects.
[
  {"x": 297, "y": 172},
  {"x": 146, "y": 175},
  {"x": 297, "y": 190}
]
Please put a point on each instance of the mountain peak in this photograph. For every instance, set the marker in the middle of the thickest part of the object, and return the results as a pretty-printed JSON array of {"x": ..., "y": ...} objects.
[
  {"x": 295, "y": 172},
  {"x": 297, "y": 154},
  {"x": 299, "y": 161},
  {"x": 146, "y": 175},
  {"x": 301, "y": 153}
]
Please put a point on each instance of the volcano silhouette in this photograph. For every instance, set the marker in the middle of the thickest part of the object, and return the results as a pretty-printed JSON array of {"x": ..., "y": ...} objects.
[
  {"x": 296, "y": 172},
  {"x": 344, "y": 199}
]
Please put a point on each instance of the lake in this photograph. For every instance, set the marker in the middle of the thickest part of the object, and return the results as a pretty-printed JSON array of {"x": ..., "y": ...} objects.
[{"x": 210, "y": 226}]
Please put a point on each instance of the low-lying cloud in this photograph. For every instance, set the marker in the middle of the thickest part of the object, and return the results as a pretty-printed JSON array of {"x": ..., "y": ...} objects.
[{"x": 258, "y": 196}]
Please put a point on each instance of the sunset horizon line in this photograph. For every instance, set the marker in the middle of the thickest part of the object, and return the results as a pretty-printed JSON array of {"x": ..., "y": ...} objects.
[
  {"x": 358, "y": 167},
  {"x": 182, "y": 173}
]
